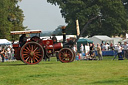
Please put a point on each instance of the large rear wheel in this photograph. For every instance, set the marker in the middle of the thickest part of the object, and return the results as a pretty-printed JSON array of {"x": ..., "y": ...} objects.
[
  {"x": 66, "y": 55},
  {"x": 32, "y": 53}
]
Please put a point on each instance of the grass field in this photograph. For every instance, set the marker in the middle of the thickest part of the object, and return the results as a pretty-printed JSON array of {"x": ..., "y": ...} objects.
[{"x": 105, "y": 72}]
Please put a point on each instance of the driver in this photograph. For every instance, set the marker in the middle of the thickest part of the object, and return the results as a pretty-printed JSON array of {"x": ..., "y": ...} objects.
[
  {"x": 22, "y": 40},
  {"x": 54, "y": 38}
]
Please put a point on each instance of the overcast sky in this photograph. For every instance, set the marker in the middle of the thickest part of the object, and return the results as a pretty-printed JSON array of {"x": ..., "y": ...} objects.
[{"x": 41, "y": 15}]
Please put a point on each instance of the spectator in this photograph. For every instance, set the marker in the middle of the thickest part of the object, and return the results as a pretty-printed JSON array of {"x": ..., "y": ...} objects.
[
  {"x": 2, "y": 53},
  {"x": 111, "y": 46},
  {"x": 115, "y": 52},
  {"x": 78, "y": 56},
  {"x": 94, "y": 50},
  {"x": 106, "y": 46},
  {"x": 75, "y": 48},
  {"x": 91, "y": 50},
  {"x": 99, "y": 52},
  {"x": 12, "y": 52},
  {"x": 82, "y": 48},
  {"x": 9, "y": 55},
  {"x": 87, "y": 49},
  {"x": 119, "y": 50},
  {"x": 102, "y": 46},
  {"x": 125, "y": 48}
]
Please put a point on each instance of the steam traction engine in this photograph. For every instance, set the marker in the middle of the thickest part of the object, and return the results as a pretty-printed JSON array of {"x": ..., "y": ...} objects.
[{"x": 35, "y": 49}]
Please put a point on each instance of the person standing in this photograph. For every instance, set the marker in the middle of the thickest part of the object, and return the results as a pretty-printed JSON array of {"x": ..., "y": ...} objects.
[
  {"x": 87, "y": 49},
  {"x": 9, "y": 53},
  {"x": 99, "y": 52},
  {"x": 125, "y": 48},
  {"x": 12, "y": 53},
  {"x": 2, "y": 53},
  {"x": 106, "y": 46},
  {"x": 115, "y": 52},
  {"x": 75, "y": 49},
  {"x": 111, "y": 46},
  {"x": 91, "y": 50},
  {"x": 82, "y": 48},
  {"x": 102, "y": 46},
  {"x": 119, "y": 50}
]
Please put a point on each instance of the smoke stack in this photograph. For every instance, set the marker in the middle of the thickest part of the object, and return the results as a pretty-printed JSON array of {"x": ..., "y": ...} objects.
[
  {"x": 77, "y": 28},
  {"x": 64, "y": 33}
]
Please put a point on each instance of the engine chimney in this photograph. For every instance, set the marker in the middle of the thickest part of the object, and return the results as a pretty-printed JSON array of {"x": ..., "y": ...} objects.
[{"x": 64, "y": 34}]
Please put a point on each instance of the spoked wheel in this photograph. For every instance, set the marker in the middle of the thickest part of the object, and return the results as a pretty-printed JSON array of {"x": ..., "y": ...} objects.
[
  {"x": 66, "y": 55},
  {"x": 31, "y": 53}
]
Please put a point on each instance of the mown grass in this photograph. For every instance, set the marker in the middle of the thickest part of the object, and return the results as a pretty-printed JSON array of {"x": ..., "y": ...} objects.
[{"x": 105, "y": 72}]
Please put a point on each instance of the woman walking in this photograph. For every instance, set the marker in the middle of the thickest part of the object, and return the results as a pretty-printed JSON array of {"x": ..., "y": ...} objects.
[{"x": 99, "y": 52}]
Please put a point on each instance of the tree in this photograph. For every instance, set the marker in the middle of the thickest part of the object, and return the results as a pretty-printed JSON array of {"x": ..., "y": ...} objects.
[
  {"x": 113, "y": 20},
  {"x": 11, "y": 18},
  {"x": 125, "y": 2}
]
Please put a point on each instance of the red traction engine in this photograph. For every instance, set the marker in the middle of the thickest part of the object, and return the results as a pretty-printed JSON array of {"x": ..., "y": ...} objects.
[{"x": 35, "y": 49}]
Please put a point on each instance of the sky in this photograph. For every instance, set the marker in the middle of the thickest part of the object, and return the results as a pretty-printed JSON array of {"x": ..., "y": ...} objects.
[{"x": 40, "y": 15}]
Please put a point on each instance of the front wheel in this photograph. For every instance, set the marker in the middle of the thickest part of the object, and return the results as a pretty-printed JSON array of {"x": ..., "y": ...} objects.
[
  {"x": 31, "y": 53},
  {"x": 66, "y": 55}
]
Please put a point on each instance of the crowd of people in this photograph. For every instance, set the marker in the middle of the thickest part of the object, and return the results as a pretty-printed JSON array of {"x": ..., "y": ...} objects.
[
  {"x": 87, "y": 52},
  {"x": 90, "y": 51},
  {"x": 121, "y": 51},
  {"x": 6, "y": 53}
]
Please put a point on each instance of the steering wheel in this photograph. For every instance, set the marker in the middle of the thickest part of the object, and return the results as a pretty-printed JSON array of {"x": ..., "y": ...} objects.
[{"x": 35, "y": 39}]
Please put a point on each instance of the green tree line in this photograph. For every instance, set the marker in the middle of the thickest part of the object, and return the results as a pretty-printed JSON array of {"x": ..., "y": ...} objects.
[
  {"x": 11, "y": 18},
  {"x": 113, "y": 20}
]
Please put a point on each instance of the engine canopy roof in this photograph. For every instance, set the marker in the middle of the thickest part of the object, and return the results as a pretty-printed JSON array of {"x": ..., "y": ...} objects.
[{"x": 25, "y": 32}]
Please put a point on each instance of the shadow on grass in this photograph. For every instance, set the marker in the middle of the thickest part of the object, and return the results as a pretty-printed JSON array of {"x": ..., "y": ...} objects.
[
  {"x": 107, "y": 82},
  {"x": 12, "y": 64},
  {"x": 46, "y": 75},
  {"x": 21, "y": 64},
  {"x": 46, "y": 63},
  {"x": 111, "y": 81}
]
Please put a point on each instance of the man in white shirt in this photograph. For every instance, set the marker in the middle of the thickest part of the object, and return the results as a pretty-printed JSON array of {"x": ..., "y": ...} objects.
[
  {"x": 75, "y": 48},
  {"x": 82, "y": 48},
  {"x": 106, "y": 46},
  {"x": 119, "y": 50},
  {"x": 9, "y": 52},
  {"x": 87, "y": 49}
]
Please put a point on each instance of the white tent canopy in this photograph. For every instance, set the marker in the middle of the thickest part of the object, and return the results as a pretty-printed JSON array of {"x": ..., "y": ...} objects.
[
  {"x": 4, "y": 42},
  {"x": 126, "y": 40},
  {"x": 101, "y": 38},
  {"x": 116, "y": 40}
]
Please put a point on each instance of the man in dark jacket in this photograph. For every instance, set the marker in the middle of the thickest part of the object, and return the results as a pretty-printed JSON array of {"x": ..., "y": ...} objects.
[{"x": 22, "y": 40}]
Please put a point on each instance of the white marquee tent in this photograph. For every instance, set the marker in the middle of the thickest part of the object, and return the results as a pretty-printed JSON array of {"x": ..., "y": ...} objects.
[
  {"x": 101, "y": 38},
  {"x": 5, "y": 42},
  {"x": 116, "y": 40},
  {"x": 126, "y": 40}
]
